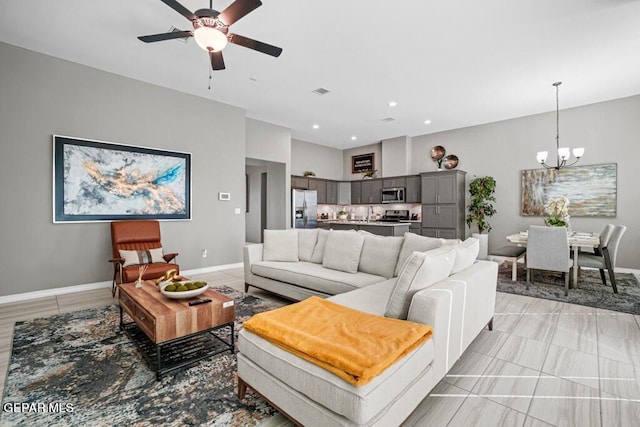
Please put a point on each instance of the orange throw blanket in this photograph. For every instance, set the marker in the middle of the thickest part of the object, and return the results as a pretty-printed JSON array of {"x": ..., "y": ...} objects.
[{"x": 354, "y": 345}]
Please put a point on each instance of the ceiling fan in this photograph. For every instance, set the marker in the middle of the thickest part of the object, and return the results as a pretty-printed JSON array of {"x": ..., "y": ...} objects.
[{"x": 211, "y": 29}]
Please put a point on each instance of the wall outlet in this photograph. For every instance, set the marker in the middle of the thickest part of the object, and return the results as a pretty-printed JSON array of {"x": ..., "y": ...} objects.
[{"x": 204, "y": 253}]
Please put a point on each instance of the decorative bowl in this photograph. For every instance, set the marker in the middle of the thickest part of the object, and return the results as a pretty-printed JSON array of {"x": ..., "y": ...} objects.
[{"x": 185, "y": 294}]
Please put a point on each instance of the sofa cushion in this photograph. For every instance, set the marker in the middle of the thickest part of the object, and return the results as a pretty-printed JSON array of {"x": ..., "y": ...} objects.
[
  {"x": 318, "y": 250},
  {"x": 420, "y": 271},
  {"x": 466, "y": 254},
  {"x": 359, "y": 404},
  {"x": 280, "y": 245},
  {"x": 342, "y": 251},
  {"x": 307, "y": 239},
  {"x": 313, "y": 276},
  {"x": 412, "y": 243},
  {"x": 147, "y": 256},
  {"x": 379, "y": 254}
]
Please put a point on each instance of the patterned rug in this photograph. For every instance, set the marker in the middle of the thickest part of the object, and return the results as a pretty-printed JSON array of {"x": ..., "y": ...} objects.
[
  {"x": 83, "y": 359},
  {"x": 591, "y": 292}
]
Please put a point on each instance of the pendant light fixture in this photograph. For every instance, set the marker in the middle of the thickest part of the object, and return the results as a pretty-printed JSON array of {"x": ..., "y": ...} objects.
[{"x": 563, "y": 153}]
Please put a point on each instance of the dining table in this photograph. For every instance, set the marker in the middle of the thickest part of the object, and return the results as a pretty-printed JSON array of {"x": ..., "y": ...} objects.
[{"x": 577, "y": 241}]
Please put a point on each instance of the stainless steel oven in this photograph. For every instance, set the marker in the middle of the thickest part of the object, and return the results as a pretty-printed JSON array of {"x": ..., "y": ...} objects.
[{"x": 393, "y": 195}]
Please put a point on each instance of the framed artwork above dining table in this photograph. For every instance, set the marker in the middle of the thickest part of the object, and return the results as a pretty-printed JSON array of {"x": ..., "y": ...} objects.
[{"x": 591, "y": 190}]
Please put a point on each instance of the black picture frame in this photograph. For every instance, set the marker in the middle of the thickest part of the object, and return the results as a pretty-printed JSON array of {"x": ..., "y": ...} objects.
[
  {"x": 104, "y": 181},
  {"x": 363, "y": 163}
]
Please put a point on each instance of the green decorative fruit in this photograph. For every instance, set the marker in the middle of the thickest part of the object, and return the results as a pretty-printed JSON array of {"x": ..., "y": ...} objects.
[
  {"x": 182, "y": 288},
  {"x": 170, "y": 288}
]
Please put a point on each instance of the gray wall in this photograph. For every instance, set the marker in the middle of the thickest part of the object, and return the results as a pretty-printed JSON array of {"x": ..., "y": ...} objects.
[
  {"x": 253, "y": 216},
  {"x": 326, "y": 162},
  {"x": 609, "y": 131},
  {"x": 346, "y": 160},
  {"x": 42, "y": 96},
  {"x": 272, "y": 143}
]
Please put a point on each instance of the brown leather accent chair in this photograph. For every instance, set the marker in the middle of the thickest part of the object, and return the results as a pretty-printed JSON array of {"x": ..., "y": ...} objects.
[{"x": 137, "y": 236}]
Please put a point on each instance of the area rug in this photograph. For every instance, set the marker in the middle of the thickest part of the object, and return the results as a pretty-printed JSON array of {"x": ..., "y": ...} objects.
[
  {"x": 590, "y": 292},
  {"x": 82, "y": 362}
]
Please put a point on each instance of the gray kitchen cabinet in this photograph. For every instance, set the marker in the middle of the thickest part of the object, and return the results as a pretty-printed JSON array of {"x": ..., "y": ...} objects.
[
  {"x": 412, "y": 189},
  {"x": 332, "y": 192},
  {"x": 300, "y": 182},
  {"x": 443, "y": 207},
  {"x": 320, "y": 186},
  {"x": 397, "y": 182},
  {"x": 371, "y": 191},
  {"x": 356, "y": 190},
  {"x": 344, "y": 193}
]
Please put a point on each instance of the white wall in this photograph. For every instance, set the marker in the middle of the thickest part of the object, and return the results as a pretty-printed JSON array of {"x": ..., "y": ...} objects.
[
  {"x": 609, "y": 131},
  {"x": 326, "y": 162},
  {"x": 272, "y": 143}
]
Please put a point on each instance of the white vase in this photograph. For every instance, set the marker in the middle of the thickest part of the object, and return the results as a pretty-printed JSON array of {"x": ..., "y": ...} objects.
[{"x": 484, "y": 245}]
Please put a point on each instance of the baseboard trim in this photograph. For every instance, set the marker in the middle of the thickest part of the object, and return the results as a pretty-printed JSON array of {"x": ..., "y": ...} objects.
[{"x": 98, "y": 285}]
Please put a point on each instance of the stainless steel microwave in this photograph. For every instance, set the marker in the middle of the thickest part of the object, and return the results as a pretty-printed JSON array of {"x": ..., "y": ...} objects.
[{"x": 393, "y": 195}]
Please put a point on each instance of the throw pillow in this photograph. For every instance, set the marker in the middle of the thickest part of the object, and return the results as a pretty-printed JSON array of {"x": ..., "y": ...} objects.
[
  {"x": 421, "y": 270},
  {"x": 307, "y": 239},
  {"x": 318, "y": 251},
  {"x": 379, "y": 254},
  {"x": 141, "y": 257},
  {"x": 466, "y": 254},
  {"x": 280, "y": 245},
  {"x": 342, "y": 251},
  {"x": 412, "y": 243}
]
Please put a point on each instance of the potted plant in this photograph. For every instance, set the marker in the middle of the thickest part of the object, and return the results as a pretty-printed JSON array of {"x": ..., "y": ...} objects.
[
  {"x": 309, "y": 173},
  {"x": 342, "y": 215},
  {"x": 556, "y": 213},
  {"x": 481, "y": 208},
  {"x": 369, "y": 174}
]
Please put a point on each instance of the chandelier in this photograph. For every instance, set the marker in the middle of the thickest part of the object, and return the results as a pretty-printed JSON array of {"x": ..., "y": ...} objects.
[{"x": 563, "y": 153}]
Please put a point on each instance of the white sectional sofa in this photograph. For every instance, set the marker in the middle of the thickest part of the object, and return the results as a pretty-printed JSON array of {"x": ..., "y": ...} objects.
[{"x": 442, "y": 286}]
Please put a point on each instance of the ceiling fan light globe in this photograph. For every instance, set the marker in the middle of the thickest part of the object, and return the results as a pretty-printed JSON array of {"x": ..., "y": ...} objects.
[{"x": 210, "y": 39}]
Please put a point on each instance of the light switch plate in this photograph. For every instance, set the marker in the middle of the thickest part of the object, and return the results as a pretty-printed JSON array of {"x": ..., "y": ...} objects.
[
  {"x": 237, "y": 211},
  {"x": 224, "y": 196}
]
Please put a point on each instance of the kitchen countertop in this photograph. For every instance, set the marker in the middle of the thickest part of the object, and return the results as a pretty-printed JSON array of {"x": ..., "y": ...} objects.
[{"x": 374, "y": 223}]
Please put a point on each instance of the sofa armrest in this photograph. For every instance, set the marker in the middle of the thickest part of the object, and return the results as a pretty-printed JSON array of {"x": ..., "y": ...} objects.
[
  {"x": 252, "y": 254},
  {"x": 169, "y": 257},
  {"x": 440, "y": 306}
]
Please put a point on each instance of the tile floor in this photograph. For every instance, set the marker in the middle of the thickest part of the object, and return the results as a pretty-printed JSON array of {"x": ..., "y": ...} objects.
[{"x": 545, "y": 363}]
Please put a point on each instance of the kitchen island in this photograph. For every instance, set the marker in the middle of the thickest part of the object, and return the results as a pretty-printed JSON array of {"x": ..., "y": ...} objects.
[{"x": 375, "y": 227}]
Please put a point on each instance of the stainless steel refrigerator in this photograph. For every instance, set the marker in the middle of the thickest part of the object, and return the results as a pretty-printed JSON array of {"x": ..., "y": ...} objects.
[{"x": 304, "y": 204}]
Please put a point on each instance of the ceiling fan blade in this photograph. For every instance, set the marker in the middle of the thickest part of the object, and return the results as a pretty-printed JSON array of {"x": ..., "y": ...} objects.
[
  {"x": 165, "y": 36},
  {"x": 255, "y": 45},
  {"x": 180, "y": 9},
  {"x": 217, "y": 62},
  {"x": 237, "y": 10}
]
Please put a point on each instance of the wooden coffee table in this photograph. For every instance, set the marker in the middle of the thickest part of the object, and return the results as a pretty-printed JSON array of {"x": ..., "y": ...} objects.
[{"x": 170, "y": 333}]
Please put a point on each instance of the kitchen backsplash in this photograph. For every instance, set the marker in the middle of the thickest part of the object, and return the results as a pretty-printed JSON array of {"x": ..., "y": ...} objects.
[{"x": 359, "y": 212}]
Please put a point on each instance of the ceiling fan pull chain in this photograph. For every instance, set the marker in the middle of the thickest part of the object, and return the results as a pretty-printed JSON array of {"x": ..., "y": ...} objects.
[{"x": 209, "y": 78}]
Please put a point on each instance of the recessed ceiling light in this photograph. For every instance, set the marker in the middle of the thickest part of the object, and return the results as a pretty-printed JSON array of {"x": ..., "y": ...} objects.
[
  {"x": 253, "y": 79},
  {"x": 320, "y": 91},
  {"x": 353, "y": 138},
  {"x": 427, "y": 122},
  {"x": 393, "y": 104},
  {"x": 316, "y": 126}
]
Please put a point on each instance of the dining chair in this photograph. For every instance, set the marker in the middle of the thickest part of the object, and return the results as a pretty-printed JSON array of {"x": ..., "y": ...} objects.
[
  {"x": 605, "y": 235},
  {"x": 548, "y": 249},
  {"x": 605, "y": 259}
]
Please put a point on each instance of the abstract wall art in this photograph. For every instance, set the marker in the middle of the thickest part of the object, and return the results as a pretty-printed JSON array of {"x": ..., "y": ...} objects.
[
  {"x": 102, "y": 181},
  {"x": 591, "y": 190}
]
